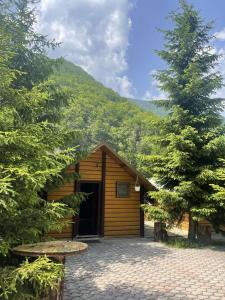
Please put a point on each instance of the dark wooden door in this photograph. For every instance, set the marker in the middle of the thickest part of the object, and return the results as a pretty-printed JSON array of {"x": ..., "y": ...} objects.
[{"x": 89, "y": 216}]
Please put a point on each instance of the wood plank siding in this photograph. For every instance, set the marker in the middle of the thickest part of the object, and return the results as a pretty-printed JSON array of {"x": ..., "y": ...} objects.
[
  {"x": 119, "y": 216},
  {"x": 65, "y": 190},
  {"x": 91, "y": 167},
  {"x": 185, "y": 223},
  {"x": 122, "y": 215}
]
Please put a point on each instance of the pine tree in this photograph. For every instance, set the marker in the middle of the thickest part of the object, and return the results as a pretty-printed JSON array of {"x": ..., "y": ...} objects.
[
  {"x": 33, "y": 153},
  {"x": 18, "y": 19},
  {"x": 192, "y": 135}
]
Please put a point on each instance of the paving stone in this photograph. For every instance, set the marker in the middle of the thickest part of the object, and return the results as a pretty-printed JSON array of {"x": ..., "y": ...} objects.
[{"x": 138, "y": 269}]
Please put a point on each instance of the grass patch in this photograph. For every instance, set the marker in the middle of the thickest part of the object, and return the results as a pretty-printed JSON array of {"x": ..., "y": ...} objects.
[{"x": 180, "y": 242}]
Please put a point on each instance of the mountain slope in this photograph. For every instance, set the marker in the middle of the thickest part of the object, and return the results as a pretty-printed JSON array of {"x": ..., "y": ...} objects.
[
  {"x": 72, "y": 76},
  {"x": 150, "y": 106},
  {"x": 69, "y": 75},
  {"x": 101, "y": 115}
]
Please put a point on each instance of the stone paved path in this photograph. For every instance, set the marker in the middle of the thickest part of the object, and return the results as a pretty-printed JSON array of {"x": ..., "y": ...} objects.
[{"x": 125, "y": 269}]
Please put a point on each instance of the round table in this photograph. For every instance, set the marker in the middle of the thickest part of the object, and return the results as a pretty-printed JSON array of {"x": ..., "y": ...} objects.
[{"x": 55, "y": 249}]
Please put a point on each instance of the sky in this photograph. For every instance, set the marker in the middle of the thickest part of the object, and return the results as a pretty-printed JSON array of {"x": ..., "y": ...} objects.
[{"x": 115, "y": 40}]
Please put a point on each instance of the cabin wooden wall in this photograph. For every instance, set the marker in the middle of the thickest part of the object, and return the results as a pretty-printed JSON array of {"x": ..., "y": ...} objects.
[
  {"x": 122, "y": 215},
  {"x": 59, "y": 193},
  {"x": 185, "y": 223},
  {"x": 91, "y": 167}
]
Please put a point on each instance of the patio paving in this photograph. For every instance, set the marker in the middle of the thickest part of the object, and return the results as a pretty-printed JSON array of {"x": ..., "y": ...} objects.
[{"x": 138, "y": 268}]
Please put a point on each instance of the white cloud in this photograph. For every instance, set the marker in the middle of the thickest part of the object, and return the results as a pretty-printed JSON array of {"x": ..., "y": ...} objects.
[
  {"x": 125, "y": 86},
  {"x": 154, "y": 92},
  {"x": 220, "y": 35},
  {"x": 94, "y": 35}
]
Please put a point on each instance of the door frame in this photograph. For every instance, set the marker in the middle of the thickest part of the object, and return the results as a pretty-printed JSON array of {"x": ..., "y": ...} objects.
[{"x": 100, "y": 212}]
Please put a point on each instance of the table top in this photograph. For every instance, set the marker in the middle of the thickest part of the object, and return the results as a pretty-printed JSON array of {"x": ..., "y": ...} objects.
[{"x": 51, "y": 248}]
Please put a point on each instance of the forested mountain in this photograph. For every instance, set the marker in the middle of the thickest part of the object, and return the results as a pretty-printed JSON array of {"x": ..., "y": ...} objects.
[
  {"x": 69, "y": 75},
  {"x": 101, "y": 115},
  {"x": 150, "y": 106}
]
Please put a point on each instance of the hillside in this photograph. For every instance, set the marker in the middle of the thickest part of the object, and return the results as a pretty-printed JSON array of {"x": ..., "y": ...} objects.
[
  {"x": 69, "y": 75},
  {"x": 149, "y": 106},
  {"x": 74, "y": 77},
  {"x": 101, "y": 115},
  {"x": 160, "y": 111}
]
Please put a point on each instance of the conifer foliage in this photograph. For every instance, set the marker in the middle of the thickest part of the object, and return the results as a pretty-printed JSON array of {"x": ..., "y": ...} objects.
[
  {"x": 33, "y": 151},
  {"x": 189, "y": 168}
]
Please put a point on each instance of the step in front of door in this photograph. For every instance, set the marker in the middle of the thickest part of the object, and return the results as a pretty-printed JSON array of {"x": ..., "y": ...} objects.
[{"x": 88, "y": 238}]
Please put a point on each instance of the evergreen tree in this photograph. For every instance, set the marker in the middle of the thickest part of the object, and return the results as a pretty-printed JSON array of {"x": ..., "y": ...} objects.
[
  {"x": 33, "y": 154},
  {"x": 18, "y": 18},
  {"x": 192, "y": 135}
]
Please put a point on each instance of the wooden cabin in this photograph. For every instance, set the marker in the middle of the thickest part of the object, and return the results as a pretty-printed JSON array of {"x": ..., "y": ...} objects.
[{"x": 113, "y": 205}]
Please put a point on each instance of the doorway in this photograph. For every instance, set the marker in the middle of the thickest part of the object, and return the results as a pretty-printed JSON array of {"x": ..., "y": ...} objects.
[{"x": 89, "y": 216}]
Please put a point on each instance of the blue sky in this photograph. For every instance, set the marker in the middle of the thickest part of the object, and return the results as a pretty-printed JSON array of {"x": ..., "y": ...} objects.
[
  {"x": 146, "y": 16},
  {"x": 114, "y": 40}
]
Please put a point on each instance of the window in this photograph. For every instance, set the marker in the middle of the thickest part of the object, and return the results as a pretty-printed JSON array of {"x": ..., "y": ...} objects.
[{"x": 122, "y": 189}]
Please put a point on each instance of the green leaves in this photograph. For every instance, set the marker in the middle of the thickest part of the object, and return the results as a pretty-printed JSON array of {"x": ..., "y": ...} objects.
[
  {"x": 167, "y": 199},
  {"x": 35, "y": 149},
  {"x": 190, "y": 169},
  {"x": 156, "y": 213},
  {"x": 31, "y": 280},
  {"x": 101, "y": 115},
  {"x": 189, "y": 79},
  {"x": 17, "y": 19}
]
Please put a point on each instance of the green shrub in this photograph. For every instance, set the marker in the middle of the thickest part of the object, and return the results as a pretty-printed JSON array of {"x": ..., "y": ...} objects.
[{"x": 30, "y": 281}]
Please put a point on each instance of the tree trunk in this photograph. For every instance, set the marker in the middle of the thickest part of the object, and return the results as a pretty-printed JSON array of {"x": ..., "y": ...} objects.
[
  {"x": 192, "y": 229},
  {"x": 160, "y": 233}
]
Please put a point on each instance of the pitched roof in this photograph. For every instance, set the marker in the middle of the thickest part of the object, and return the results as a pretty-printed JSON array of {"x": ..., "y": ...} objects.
[{"x": 123, "y": 163}]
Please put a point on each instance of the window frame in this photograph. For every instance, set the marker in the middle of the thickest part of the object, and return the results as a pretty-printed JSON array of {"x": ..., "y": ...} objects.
[{"x": 117, "y": 189}]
